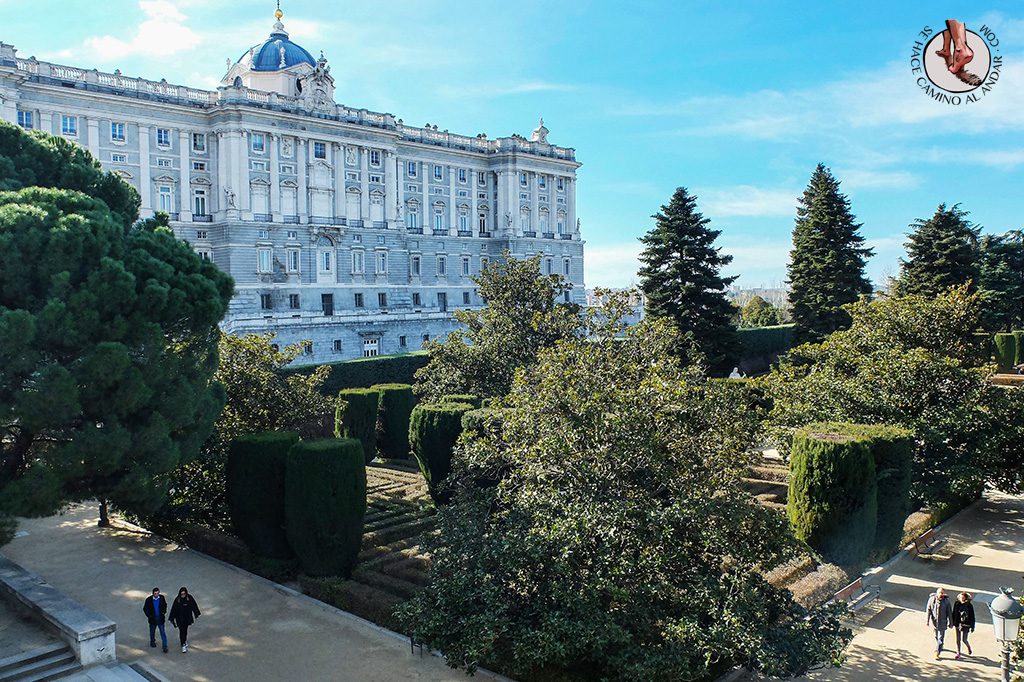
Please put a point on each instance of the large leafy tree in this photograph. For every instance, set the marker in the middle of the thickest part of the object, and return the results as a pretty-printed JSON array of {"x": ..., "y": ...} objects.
[
  {"x": 758, "y": 312},
  {"x": 108, "y": 336},
  {"x": 681, "y": 278},
  {"x": 910, "y": 361},
  {"x": 619, "y": 543},
  {"x": 522, "y": 314},
  {"x": 259, "y": 397},
  {"x": 826, "y": 265},
  {"x": 942, "y": 252},
  {"x": 1001, "y": 280}
]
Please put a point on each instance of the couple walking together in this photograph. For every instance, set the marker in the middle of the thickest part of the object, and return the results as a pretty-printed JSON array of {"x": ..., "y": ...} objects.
[
  {"x": 183, "y": 612},
  {"x": 941, "y": 617}
]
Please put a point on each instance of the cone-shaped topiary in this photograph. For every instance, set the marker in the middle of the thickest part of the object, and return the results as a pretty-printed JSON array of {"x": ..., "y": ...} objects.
[
  {"x": 1019, "y": 357},
  {"x": 433, "y": 431},
  {"x": 395, "y": 409},
  {"x": 325, "y": 503},
  {"x": 356, "y": 417},
  {"x": 255, "y": 475},
  {"x": 833, "y": 503},
  {"x": 1006, "y": 351}
]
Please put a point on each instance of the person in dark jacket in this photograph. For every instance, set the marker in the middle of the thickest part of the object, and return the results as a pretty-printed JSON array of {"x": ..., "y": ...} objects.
[
  {"x": 184, "y": 612},
  {"x": 963, "y": 621},
  {"x": 155, "y": 608},
  {"x": 939, "y": 618}
]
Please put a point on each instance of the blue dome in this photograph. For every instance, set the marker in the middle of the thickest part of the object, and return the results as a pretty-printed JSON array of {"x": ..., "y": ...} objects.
[{"x": 267, "y": 55}]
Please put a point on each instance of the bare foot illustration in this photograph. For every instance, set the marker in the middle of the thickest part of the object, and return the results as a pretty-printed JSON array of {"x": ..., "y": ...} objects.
[
  {"x": 962, "y": 54},
  {"x": 945, "y": 52}
]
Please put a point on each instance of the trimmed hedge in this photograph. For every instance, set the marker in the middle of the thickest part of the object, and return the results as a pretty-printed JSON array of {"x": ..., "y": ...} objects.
[
  {"x": 759, "y": 346},
  {"x": 325, "y": 504},
  {"x": 467, "y": 398},
  {"x": 395, "y": 409},
  {"x": 1019, "y": 358},
  {"x": 483, "y": 421},
  {"x": 356, "y": 417},
  {"x": 893, "y": 451},
  {"x": 1006, "y": 351},
  {"x": 255, "y": 474},
  {"x": 833, "y": 493},
  {"x": 433, "y": 431},
  {"x": 363, "y": 372}
]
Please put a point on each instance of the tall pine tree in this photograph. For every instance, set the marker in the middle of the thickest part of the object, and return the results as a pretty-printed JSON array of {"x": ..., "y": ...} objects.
[
  {"x": 681, "y": 277},
  {"x": 1001, "y": 280},
  {"x": 826, "y": 265},
  {"x": 942, "y": 252}
]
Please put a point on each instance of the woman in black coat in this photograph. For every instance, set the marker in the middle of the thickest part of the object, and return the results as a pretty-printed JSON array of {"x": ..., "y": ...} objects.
[
  {"x": 963, "y": 621},
  {"x": 184, "y": 612}
]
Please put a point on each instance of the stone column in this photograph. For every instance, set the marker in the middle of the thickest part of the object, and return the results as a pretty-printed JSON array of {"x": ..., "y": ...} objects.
[
  {"x": 145, "y": 189},
  {"x": 216, "y": 202},
  {"x": 570, "y": 200},
  {"x": 364, "y": 185},
  {"x": 185, "y": 175},
  {"x": 274, "y": 140},
  {"x": 339, "y": 180},
  {"x": 244, "y": 189},
  {"x": 474, "y": 219},
  {"x": 45, "y": 123},
  {"x": 453, "y": 224},
  {"x": 303, "y": 155},
  {"x": 391, "y": 194},
  {"x": 501, "y": 205},
  {"x": 9, "y": 106},
  {"x": 93, "y": 131},
  {"x": 535, "y": 203}
]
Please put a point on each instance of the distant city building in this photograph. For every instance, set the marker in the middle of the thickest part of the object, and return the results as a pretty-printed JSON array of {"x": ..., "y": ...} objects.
[
  {"x": 636, "y": 299},
  {"x": 342, "y": 227}
]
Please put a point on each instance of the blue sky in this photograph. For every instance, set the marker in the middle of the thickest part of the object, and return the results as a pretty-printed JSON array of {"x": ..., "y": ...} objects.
[{"x": 736, "y": 101}]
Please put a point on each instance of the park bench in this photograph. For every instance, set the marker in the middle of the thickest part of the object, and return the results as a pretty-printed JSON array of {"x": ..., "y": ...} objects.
[
  {"x": 856, "y": 595},
  {"x": 927, "y": 543}
]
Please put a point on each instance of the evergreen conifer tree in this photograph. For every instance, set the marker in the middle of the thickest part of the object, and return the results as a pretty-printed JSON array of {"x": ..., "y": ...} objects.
[
  {"x": 681, "y": 277},
  {"x": 1001, "y": 280},
  {"x": 826, "y": 265},
  {"x": 942, "y": 252}
]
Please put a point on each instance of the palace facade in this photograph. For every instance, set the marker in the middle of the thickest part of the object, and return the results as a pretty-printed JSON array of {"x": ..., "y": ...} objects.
[{"x": 343, "y": 228}]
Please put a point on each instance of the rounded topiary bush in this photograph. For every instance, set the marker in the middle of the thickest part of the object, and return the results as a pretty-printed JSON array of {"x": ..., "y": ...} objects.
[
  {"x": 482, "y": 422},
  {"x": 473, "y": 400},
  {"x": 833, "y": 499},
  {"x": 433, "y": 431},
  {"x": 255, "y": 474},
  {"x": 356, "y": 417},
  {"x": 325, "y": 504},
  {"x": 395, "y": 409},
  {"x": 1005, "y": 346}
]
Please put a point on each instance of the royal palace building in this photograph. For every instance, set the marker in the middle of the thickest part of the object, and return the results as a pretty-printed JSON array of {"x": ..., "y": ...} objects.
[{"x": 343, "y": 228}]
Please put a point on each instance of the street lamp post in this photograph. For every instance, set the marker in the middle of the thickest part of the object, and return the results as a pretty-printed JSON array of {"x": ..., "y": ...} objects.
[{"x": 1006, "y": 614}]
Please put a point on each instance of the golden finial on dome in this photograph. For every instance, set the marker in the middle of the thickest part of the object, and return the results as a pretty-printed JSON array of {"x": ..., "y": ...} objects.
[{"x": 278, "y": 13}]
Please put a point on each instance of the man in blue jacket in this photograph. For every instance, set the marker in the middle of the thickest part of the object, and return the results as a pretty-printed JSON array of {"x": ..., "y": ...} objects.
[
  {"x": 940, "y": 617},
  {"x": 155, "y": 609}
]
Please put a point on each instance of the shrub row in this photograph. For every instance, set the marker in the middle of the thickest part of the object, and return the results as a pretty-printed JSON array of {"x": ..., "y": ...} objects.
[
  {"x": 849, "y": 489},
  {"x": 1009, "y": 350},
  {"x": 299, "y": 498},
  {"x": 759, "y": 346},
  {"x": 365, "y": 372},
  {"x": 356, "y": 418},
  {"x": 378, "y": 417}
]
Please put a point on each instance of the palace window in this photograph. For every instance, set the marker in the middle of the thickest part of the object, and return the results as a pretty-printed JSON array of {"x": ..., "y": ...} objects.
[
  {"x": 416, "y": 299},
  {"x": 293, "y": 260},
  {"x": 370, "y": 348},
  {"x": 439, "y": 218},
  {"x": 465, "y": 265},
  {"x": 442, "y": 302},
  {"x": 402, "y": 341},
  {"x": 438, "y": 172},
  {"x": 560, "y": 183},
  {"x": 258, "y": 166},
  {"x": 482, "y": 221},
  {"x": 264, "y": 234},
  {"x": 26, "y": 120},
  {"x": 412, "y": 218},
  {"x": 357, "y": 299},
  {"x": 116, "y": 132},
  {"x": 293, "y": 301},
  {"x": 119, "y": 158},
  {"x": 199, "y": 202},
  {"x": 337, "y": 345},
  {"x": 481, "y": 179},
  {"x": 165, "y": 199},
  {"x": 426, "y": 338},
  {"x": 293, "y": 234},
  {"x": 259, "y": 143},
  {"x": 465, "y": 298},
  {"x": 266, "y": 302},
  {"x": 199, "y": 165},
  {"x": 463, "y": 220},
  {"x": 69, "y": 126},
  {"x": 199, "y": 142},
  {"x": 382, "y": 262},
  {"x": 263, "y": 260},
  {"x": 357, "y": 263},
  {"x": 319, "y": 150},
  {"x": 325, "y": 261},
  {"x": 414, "y": 266},
  {"x": 410, "y": 169},
  {"x": 202, "y": 234},
  {"x": 327, "y": 304},
  {"x": 483, "y": 263},
  {"x": 542, "y": 181},
  {"x": 547, "y": 266},
  {"x": 382, "y": 300},
  {"x": 205, "y": 254},
  {"x": 524, "y": 180},
  {"x": 164, "y": 163},
  {"x": 567, "y": 267},
  {"x": 442, "y": 266},
  {"x": 462, "y": 175},
  {"x": 375, "y": 157},
  {"x": 163, "y": 137}
]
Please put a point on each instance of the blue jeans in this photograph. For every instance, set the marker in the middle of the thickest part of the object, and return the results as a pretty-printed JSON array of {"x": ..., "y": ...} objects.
[
  {"x": 940, "y": 639},
  {"x": 152, "y": 633}
]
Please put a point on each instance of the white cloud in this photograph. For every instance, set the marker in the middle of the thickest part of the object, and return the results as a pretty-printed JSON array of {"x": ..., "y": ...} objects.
[
  {"x": 746, "y": 200},
  {"x": 612, "y": 265},
  {"x": 162, "y": 33},
  {"x": 858, "y": 179},
  {"x": 504, "y": 90}
]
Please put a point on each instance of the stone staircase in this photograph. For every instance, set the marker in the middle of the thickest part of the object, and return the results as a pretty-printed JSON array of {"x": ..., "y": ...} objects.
[{"x": 50, "y": 662}]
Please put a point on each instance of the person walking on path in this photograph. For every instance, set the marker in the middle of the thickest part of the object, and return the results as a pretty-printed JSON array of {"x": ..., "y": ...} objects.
[
  {"x": 963, "y": 621},
  {"x": 184, "y": 612},
  {"x": 155, "y": 608},
  {"x": 940, "y": 617}
]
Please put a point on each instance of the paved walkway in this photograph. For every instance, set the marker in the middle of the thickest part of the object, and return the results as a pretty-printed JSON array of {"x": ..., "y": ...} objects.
[
  {"x": 248, "y": 631},
  {"x": 984, "y": 550}
]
